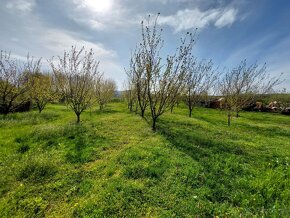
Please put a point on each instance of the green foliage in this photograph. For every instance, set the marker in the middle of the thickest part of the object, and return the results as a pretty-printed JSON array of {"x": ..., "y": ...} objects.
[{"x": 113, "y": 165}]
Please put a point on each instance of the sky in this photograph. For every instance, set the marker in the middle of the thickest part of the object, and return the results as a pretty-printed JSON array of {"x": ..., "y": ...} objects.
[{"x": 229, "y": 31}]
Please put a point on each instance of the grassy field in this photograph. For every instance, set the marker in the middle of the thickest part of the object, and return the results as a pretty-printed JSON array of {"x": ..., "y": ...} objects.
[{"x": 113, "y": 165}]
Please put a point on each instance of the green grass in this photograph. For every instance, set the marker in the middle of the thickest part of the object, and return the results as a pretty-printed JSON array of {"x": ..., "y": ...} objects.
[{"x": 113, "y": 165}]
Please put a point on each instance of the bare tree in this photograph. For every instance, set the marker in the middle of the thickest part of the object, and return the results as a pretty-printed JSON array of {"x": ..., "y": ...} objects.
[
  {"x": 164, "y": 81},
  {"x": 138, "y": 69},
  {"x": 75, "y": 74},
  {"x": 105, "y": 90},
  {"x": 200, "y": 79},
  {"x": 130, "y": 95},
  {"x": 179, "y": 97},
  {"x": 130, "y": 87},
  {"x": 14, "y": 85},
  {"x": 243, "y": 84}
]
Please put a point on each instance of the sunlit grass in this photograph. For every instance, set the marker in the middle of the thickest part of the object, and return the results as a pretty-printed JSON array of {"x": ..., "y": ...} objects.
[{"x": 113, "y": 165}]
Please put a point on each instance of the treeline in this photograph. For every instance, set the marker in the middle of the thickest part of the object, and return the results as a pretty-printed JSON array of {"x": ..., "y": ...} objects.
[
  {"x": 74, "y": 79},
  {"x": 160, "y": 84}
]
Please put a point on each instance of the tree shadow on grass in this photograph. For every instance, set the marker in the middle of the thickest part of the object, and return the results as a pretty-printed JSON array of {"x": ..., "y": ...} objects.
[
  {"x": 189, "y": 137},
  {"x": 223, "y": 164},
  {"x": 84, "y": 145}
]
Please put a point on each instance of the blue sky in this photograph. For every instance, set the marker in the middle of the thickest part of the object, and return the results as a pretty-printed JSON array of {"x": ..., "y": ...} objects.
[{"x": 228, "y": 30}]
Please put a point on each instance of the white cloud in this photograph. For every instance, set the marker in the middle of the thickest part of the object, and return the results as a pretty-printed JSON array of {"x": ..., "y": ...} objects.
[
  {"x": 24, "y": 6},
  {"x": 194, "y": 18},
  {"x": 58, "y": 40},
  {"x": 96, "y": 6},
  {"x": 55, "y": 41},
  {"x": 164, "y": 2},
  {"x": 227, "y": 18},
  {"x": 99, "y": 14}
]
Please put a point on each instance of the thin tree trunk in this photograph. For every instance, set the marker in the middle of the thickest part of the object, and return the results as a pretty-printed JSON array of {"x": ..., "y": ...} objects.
[
  {"x": 189, "y": 104},
  {"x": 39, "y": 108},
  {"x": 142, "y": 113},
  {"x": 78, "y": 118},
  {"x": 229, "y": 118},
  {"x": 154, "y": 124}
]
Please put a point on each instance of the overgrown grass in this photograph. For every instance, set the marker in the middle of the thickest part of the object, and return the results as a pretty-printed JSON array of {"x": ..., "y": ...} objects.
[{"x": 113, "y": 165}]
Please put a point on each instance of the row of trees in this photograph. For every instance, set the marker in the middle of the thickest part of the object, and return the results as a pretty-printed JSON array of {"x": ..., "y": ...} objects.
[
  {"x": 75, "y": 80},
  {"x": 159, "y": 84},
  {"x": 154, "y": 83}
]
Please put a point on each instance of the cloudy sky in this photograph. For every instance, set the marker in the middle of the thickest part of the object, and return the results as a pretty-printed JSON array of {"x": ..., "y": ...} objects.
[{"x": 228, "y": 30}]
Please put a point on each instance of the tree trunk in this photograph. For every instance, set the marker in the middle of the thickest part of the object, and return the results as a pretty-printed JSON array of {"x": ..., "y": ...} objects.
[
  {"x": 39, "y": 108},
  {"x": 154, "y": 124},
  {"x": 78, "y": 118},
  {"x": 190, "y": 111},
  {"x": 142, "y": 113},
  {"x": 238, "y": 114},
  {"x": 229, "y": 118},
  {"x": 189, "y": 104}
]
